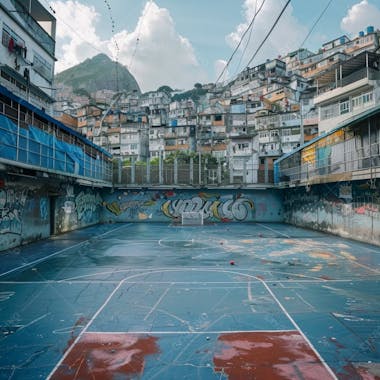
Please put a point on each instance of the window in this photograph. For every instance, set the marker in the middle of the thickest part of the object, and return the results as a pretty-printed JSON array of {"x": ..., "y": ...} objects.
[
  {"x": 42, "y": 67},
  {"x": 13, "y": 41},
  {"x": 218, "y": 117},
  {"x": 344, "y": 106}
]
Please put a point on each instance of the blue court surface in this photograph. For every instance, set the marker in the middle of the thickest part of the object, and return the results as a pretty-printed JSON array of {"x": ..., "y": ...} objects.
[{"x": 159, "y": 301}]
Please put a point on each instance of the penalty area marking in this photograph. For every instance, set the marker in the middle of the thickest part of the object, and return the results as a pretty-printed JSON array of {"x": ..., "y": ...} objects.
[{"x": 275, "y": 231}]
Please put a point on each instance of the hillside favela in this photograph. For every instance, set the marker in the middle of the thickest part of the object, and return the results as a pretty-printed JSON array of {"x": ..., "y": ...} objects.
[{"x": 229, "y": 229}]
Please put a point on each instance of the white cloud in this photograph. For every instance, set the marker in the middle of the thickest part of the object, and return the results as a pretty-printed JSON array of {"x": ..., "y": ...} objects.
[
  {"x": 219, "y": 66},
  {"x": 75, "y": 44},
  {"x": 359, "y": 16},
  {"x": 155, "y": 53},
  {"x": 287, "y": 35}
]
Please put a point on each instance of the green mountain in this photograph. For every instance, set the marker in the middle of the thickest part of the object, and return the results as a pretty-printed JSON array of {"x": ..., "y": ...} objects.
[{"x": 98, "y": 73}]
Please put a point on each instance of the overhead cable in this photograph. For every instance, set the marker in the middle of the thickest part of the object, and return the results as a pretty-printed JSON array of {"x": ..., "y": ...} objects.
[
  {"x": 241, "y": 39},
  {"x": 316, "y": 22},
  {"x": 269, "y": 33}
]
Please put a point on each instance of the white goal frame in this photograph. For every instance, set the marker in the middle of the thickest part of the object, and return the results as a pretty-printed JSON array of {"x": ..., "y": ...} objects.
[{"x": 192, "y": 218}]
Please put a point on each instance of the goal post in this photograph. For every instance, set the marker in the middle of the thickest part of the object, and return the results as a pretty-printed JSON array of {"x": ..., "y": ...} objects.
[{"x": 192, "y": 218}]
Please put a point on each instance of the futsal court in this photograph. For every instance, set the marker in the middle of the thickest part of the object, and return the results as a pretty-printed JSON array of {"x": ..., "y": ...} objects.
[{"x": 219, "y": 301}]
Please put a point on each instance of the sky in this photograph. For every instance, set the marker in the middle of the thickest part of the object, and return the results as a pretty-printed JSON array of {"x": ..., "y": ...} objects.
[{"x": 179, "y": 43}]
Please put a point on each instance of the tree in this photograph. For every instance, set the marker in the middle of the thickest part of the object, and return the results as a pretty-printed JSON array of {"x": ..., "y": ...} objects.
[
  {"x": 168, "y": 90},
  {"x": 198, "y": 86}
]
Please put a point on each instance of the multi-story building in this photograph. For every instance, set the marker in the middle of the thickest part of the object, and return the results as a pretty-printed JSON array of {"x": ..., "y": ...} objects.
[
  {"x": 27, "y": 51},
  {"x": 347, "y": 90},
  {"x": 211, "y": 131}
]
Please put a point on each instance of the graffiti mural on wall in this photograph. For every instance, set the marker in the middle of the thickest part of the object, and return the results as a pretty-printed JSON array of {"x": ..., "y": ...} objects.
[
  {"x": 86, "y": 204},
  {"x": 78, "y": 209},
  {"x": 161, "y": 205},
  {"x": 221, "y": 210},
  {"x": 12, "y": 203}
]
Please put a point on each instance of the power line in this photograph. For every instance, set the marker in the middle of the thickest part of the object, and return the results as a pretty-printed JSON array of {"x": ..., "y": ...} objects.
[
  {"x": 241, "y": 39},
  {"x": 245, "y": 47},
  {"x": 315, "y": 23},
  {"x": 70, "y": 27},
  {"x": 269, "y": 33},
  {"x": 138, "y": 36}
]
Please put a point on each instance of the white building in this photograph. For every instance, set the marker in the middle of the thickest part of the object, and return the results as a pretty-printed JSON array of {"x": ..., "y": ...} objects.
[
  {"x": 27, "y": 51},
  {"x": 347, "y": 90}
]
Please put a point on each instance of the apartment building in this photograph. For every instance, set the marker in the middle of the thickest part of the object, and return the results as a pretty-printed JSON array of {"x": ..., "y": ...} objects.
[
  {"x": 27, "y": 51},
  {"x": 347, "y": 90}
]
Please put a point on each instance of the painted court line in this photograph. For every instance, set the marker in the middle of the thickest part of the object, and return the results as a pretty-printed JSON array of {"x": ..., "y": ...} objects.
[
  {"x": 329, "y": 370},
  {"x": 26, "y": 265},
  {"x": 187, "y": 332},
  {"x": 84, "y": 329},
  {"x": 271, "y": 229},
  {"x": 158, "y": 302}
]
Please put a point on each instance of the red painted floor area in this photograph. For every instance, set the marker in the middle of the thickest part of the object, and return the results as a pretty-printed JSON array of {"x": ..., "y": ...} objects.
[
  {"x": 268, "y": 355},
  {"x": 105, "y": 356}
]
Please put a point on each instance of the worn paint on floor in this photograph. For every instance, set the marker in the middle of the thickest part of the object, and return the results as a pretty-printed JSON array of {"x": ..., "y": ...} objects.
[{"x": 156, "y": 301}]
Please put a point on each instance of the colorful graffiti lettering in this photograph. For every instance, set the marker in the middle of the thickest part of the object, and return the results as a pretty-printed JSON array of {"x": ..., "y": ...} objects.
[
  {"x": 222, "y": 210},
  {"x": 12, "y": 203},
  {"x": 86, "y": 204}
]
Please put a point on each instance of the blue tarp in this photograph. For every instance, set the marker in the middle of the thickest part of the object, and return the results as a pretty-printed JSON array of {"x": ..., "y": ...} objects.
[{"x": 39, "y": 148}]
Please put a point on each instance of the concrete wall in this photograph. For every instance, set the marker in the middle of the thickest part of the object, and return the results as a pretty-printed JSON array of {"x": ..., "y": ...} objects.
[
  {"x": 76, "y": 208},
  {"x": 350, "y": 210},
  {"x": 31, "y": 210},
  {"x": 216, "y": 205},
  {"x": 24, "y": 215}
]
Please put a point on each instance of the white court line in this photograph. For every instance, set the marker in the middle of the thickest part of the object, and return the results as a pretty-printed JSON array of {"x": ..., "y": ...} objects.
[
  {"x": 271, "y": 229},
  {"x": 329, "y": 370},
  {"x": 158, "y": 302},
  {"x": 57, "y": 253},
  {"x": 204, "y": 332},
  {"x": 84, "y": 329}
]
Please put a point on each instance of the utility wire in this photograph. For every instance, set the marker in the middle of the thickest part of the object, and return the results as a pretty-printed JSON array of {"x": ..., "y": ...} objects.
[
  {"x": 316, "y": 22},
  {"x": 241, "y": 40},
  {"x": 246, "y": 45},
  {"x": 115, "y": 43},
  {"x": 138, "y": 36},
  {"x": 268, "y": 34}
]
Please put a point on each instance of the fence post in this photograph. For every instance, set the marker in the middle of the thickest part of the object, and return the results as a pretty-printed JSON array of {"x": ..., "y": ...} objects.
[
  {"x": 119, "y": 171},
  {"x": 176, "y": 171},
  {"x": 191, "y": 171},
  {"x": 245, "y": 172},
  {"x": 148, "y": 171},
  {"x": 133, "y": 171},
  {"x": 219, "y": 172},
  {"x": 160, "y": 169}
]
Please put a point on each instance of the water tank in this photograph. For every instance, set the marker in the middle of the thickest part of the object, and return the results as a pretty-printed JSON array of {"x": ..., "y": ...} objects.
[
  {"x": 361, "y": 34},
  {"x": 342, "y": 40},
  {"x": 370, "y": 29}
]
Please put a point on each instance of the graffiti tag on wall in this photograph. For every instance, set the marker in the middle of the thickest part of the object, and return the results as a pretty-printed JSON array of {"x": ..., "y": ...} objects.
[
  {"x": 86, "y": 204},
  {"x": 12, "y": 203},
  {"x": 223, "y": 210}
]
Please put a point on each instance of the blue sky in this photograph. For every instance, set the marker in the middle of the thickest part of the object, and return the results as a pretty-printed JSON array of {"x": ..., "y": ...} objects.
[{"x": 179, "y": 43}]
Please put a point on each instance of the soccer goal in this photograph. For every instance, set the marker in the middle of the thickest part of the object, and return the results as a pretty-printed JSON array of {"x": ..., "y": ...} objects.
[{"x": 192, "y": 218}]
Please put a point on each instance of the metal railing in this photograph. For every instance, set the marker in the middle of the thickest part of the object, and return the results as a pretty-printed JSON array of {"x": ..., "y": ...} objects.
[
  {"x": 365, "y": 160},
  {"x": 27, "y": 141},
  {"x": 189, "y": 174}
]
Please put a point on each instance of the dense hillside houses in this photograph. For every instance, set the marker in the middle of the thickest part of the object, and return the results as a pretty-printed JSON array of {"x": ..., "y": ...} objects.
[{"x": 266, "y": 111}]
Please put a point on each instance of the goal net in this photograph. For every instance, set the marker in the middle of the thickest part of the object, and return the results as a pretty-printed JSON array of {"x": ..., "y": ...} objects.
[{"x": 192, "y": 218}]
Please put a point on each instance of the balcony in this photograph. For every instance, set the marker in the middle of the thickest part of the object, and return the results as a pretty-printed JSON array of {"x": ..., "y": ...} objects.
[{"x": 30, "y": 23}]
